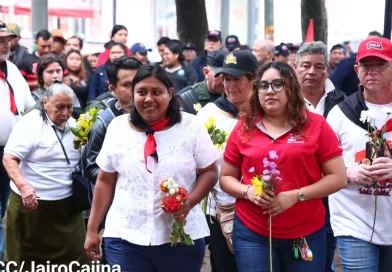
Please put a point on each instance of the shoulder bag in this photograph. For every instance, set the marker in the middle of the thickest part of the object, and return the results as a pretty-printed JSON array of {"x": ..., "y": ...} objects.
[{"x": 80, "y": 200}]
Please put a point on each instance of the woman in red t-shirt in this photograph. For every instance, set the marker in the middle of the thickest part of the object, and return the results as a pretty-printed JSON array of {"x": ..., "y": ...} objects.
[{"x": 310, "y": 163}]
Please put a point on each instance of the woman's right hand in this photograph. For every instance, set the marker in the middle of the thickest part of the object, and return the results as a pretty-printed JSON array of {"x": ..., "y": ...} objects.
[
  {"x": 91, "y": 245},
  {"x": 29, "y": 197}
]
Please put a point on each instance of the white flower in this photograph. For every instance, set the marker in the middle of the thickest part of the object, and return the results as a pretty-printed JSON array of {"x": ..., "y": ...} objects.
[
  {"x": 386, "y": 110},
  {"x": 172, "y": 191},
  {"x": 197, "y": 107},
  {"x": 165, "y": 184},
  {"x": 72, "y": 122},
  {"x": 368, "y": 116}
]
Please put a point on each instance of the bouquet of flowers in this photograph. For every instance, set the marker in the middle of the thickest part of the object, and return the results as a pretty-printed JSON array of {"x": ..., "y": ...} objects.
[
  {"x": 268, "y": 180},
  {"x": 82, "y": 127},
  {"x": 172, "y": 202},
  {"x": 378, "y": 146}
]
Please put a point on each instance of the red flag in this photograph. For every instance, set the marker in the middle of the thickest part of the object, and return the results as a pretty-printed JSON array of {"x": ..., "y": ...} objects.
[{"x": 310, "y": 33}]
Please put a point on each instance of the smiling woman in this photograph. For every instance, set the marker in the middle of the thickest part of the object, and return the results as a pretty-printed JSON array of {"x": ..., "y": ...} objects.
[{"x": 153, "y": 143}]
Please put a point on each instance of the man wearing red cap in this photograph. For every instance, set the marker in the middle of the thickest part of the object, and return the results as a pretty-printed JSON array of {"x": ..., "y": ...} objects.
[
  {"x": 15, "y": 98},
  {"x": 361, "y": 213}
]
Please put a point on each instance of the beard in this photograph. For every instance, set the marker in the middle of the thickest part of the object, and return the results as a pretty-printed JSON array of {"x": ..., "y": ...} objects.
[{"x": 4, "y": 57}]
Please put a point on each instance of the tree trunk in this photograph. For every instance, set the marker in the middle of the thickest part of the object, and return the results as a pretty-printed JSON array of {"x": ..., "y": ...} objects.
[
  {"x": 192, "y": 25},
  {"x": 314, "y": 9}
]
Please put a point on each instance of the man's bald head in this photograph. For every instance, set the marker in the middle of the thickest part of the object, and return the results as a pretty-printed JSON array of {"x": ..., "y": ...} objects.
[{"x": 264, "y": 51}]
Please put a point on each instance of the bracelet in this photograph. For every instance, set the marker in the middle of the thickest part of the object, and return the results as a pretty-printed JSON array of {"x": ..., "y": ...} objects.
[{"x": 246, "y": 191}]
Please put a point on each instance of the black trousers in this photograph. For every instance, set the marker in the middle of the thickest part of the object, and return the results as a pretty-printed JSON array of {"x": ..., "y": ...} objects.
[{"x": 223, "y": 258}]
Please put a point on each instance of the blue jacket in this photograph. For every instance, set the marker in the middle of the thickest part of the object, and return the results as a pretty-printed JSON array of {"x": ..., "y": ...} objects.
[
  {"x": 198, "y": 64},
  {"x": 99, "y": 83},
  {"x": 344, "y": 77}
]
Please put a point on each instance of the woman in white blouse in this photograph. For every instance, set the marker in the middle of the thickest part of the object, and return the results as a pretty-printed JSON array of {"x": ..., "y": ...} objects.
[
  {"x": 41, "y": 226},
  {"x": 237, "y": 81},
  {"x": 137, "y": 230}
]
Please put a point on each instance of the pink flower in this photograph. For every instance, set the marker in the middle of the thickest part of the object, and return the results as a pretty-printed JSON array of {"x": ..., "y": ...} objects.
[
  {"x": 266, "y": 178},
  {"x": 272, "y": 165},
  {"x": 251, "y": 170},
  {"x": 266, "y": 172},
  {"x": 275, "y": 172},
  {"x": 273, "y": 155},
  {"x": 278, "y": 179},
  {"x": 266, "y": 162}
]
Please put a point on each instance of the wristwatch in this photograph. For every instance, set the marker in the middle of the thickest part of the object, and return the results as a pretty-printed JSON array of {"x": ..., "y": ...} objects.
[{"x": 301, "y": 196}]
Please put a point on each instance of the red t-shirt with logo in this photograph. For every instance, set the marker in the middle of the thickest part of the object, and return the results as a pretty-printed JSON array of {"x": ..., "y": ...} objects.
[{"x": 300, "y": 161}]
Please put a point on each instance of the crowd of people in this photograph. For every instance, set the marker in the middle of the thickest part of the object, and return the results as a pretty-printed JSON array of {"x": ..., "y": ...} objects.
[{"x": 306, "y": 167}]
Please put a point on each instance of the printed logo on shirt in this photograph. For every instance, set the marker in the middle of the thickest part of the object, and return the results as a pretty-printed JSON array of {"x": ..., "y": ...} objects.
[
  {"x": 295, "y": 139},
  {"x": 181, "y": 72}
]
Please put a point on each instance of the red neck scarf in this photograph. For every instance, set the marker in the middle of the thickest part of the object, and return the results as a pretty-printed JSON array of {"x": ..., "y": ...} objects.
[
  {"x": 150, "y": 145},
  {"x": 3, "y": 75},
  {"x": 388, "y": 127}
]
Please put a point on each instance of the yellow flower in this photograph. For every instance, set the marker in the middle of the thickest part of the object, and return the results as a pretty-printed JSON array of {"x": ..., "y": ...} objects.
[
  {"x": 259, "y": 184},
  {"x": 197, "y": 107},
  {"x": 210, "y": 124}
]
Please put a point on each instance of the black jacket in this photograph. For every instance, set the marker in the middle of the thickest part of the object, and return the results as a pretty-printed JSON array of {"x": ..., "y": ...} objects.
[
  {"x": 96, "y": 136},
  {"x": 333, "y": 98}
]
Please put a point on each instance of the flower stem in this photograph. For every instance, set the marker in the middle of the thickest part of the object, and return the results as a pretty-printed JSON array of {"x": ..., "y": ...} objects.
[
  {"x": 270, "y": 240},
  {"x": 204, "y": 205},
  {"x": 375, "y": 212}
]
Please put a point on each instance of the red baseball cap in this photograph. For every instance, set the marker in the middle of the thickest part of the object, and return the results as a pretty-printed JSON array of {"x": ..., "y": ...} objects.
[{"x": 375, "y": 47}]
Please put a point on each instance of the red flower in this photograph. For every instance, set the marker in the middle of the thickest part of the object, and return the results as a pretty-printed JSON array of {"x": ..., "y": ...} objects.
[{"x": 171, "y": 204}]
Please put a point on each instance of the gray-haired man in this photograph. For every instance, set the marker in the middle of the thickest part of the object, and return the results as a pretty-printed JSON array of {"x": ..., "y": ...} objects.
[{"x": 320, "y": 97}]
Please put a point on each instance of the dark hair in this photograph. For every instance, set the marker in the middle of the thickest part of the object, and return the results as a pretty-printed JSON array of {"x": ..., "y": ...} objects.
[
  {"x": 43, "y": 63},
  {"x": 251, "y": 109},
  {"x": 117, "y": 28},
  {"x": 110, "y": 45},
  {"x": 346, "y": 42},
  {"x": 176, "y": 48},
  {"x": 375, "y": 33},
  {"x": 96, "y": 54},
  {"x": 44, "y": 34},
  {"x": 80, "y": 41},
  {"x": 245, "y": 47},
  {"x": 157, "y": 71},
  {"x": 125, "y": 63},
  {"x": 81, "y": 72},
  {"x": 163, "y": 40},
  {"x": 338, "y": 46}
]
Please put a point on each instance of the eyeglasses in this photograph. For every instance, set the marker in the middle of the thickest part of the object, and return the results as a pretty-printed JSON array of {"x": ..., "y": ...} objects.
[
  {"x": 277, "y": 85},
  {"x": 381, "y": 66}
]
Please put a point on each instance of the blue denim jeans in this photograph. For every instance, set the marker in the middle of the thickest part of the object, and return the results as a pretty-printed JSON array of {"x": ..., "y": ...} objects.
[
  {"x": 252, "y": 254},
  {"x": 331, "y": 243},
  {"x": 362, "y": 256},
  {"x": 4, "y": 196},
  {"x": 162, "y": 258}
]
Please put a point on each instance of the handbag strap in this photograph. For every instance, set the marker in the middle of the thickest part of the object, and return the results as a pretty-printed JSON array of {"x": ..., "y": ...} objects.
[{"x": 62, "y": 146}]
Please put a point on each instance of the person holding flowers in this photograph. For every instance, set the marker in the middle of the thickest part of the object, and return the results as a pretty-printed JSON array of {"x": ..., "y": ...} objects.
[
  {"x": 238, "y": 71},
  {"x": 293, "y": 159},
  {"x": 41, "y": 225},
  {"x": 361, "y": 213},
  {"x": 156, "y": 142}
]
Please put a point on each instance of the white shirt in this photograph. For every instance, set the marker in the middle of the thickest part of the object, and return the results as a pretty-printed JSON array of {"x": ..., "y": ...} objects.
[
  {"x": 227, "y": 124},
  {"x": 352, "y": 208},
  {"x": 43, "y": 163},
  {"x": 23, "y": 101},
  {"x": 320, "y": 107},
  {"x": 136, "y": 214}
]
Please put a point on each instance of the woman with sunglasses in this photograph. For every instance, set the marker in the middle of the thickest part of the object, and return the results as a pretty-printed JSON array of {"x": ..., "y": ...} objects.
[{"x": 309, "y": 159}]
